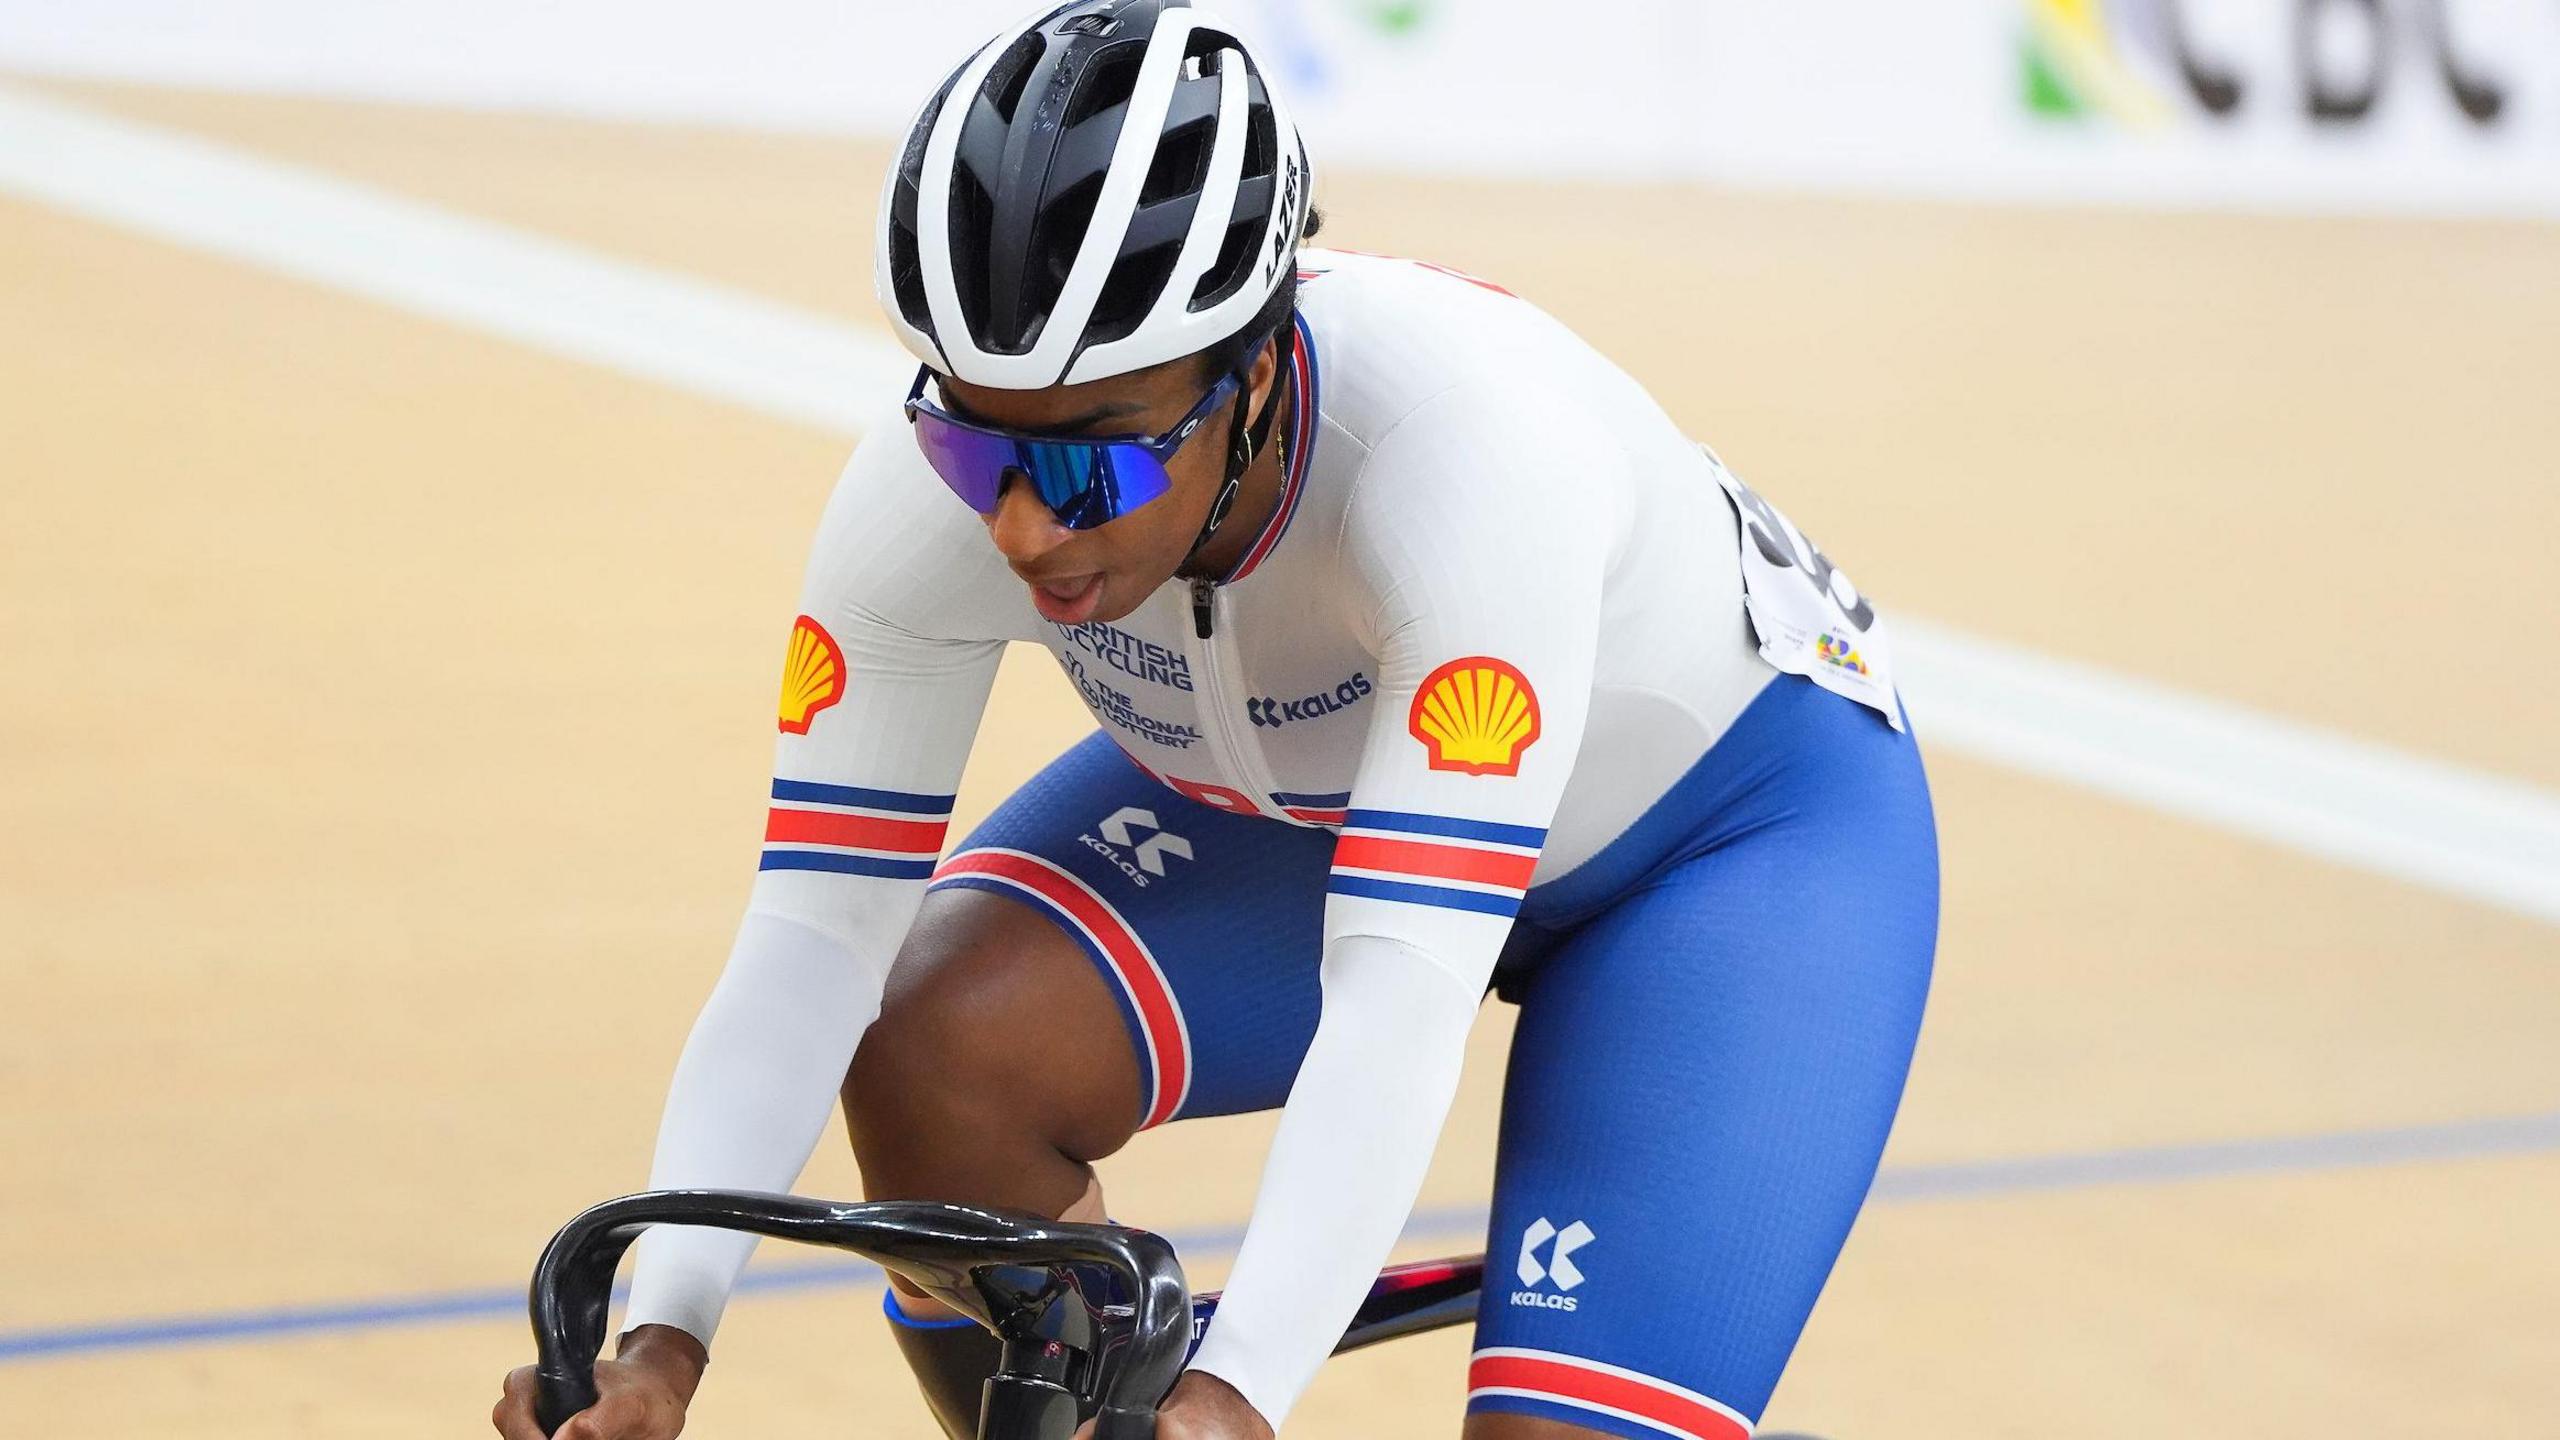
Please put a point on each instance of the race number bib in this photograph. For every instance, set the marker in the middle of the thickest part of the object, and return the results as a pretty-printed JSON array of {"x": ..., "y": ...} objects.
[{"x": 1809, "y": 619}]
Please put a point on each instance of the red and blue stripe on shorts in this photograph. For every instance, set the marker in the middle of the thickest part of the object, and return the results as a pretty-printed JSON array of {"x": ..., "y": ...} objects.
[
  {"x": 1571, "y": 1389},
  {"x": 1105, "y": 932}
]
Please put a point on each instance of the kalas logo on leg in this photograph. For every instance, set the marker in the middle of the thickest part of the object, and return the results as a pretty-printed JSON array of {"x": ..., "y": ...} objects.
[
  {"x": 1557, "y": 1269},
  {"x": 1144, "y": 857}
]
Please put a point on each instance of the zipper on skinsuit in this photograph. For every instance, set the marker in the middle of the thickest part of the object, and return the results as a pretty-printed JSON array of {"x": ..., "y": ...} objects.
[{"x": 1242, "y": 765}]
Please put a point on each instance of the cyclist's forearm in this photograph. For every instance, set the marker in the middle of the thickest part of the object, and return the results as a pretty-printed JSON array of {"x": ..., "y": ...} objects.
[
  {"x": 1349, "y": 1157},
  {"x": 750, "y": 1099},
  {"x": 674, "y": 1354}
]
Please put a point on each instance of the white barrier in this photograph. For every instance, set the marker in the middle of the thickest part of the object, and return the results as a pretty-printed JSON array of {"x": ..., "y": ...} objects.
[
  {"x": 2360, "y": 105},
  {"x": 2449, "y": 106}
]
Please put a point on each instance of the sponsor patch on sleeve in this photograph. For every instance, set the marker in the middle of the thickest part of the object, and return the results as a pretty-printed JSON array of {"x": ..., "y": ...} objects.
[
  {"x": 1475, "y": 715},
  {"x": 812, "y": 675}
]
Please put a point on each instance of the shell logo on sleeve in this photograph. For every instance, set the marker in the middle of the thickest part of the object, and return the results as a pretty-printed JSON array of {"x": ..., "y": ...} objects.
[
  {"x": 1475, "y": 716},
  {"x": 812, "y": 675}
]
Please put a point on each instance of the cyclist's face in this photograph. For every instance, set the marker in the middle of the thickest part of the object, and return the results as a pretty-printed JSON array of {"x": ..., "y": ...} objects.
[{"x": 1108, "y": 571}]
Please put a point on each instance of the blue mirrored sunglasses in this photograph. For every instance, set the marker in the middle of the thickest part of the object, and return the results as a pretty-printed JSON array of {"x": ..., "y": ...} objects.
[{"x": 1084, "y": 480}]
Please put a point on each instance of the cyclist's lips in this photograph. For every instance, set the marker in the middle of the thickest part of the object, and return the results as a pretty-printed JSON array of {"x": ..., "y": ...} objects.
[{"x": 1068, "y": 601}]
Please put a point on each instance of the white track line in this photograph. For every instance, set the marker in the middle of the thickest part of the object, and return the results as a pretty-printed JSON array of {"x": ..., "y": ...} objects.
[
  {"x": 2464, "y": 832},
  {"x": 670, "y": 328}
]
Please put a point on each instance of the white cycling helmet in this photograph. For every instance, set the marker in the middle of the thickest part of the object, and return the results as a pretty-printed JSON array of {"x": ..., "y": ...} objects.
[{"x": 1102, "y": 188}]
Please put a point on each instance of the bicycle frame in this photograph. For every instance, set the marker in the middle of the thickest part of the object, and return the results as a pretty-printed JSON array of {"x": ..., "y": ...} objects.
[{"x": 1096, "y": 1320}]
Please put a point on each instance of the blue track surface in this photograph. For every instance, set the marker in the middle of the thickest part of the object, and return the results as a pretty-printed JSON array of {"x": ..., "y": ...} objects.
[{"x": 2457, "y": 1140}]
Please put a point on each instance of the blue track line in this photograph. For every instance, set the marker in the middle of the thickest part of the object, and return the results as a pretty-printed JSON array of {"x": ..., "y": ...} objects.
[
  {"x": 1465, "y": 1223},
  {"x": 1961, "y": 1180}
]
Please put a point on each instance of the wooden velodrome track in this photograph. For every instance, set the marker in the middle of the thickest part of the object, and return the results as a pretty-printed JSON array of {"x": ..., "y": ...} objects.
[{"x": 384, "y": 725}]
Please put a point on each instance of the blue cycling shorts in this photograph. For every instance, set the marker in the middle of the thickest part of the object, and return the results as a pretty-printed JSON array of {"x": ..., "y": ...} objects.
[{"x": 1716, "y": 1016}]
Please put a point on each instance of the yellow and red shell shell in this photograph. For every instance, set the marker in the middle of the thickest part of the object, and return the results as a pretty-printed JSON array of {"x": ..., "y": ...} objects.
[
  {"x": 1475, "y": 715},
  {"x": 812, "y": 675}
]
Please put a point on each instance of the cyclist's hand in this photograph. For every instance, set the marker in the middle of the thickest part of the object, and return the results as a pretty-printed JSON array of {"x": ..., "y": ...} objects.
[
  {"x": 640, "y": 1396},
  {"x": 1203, "y": 1407}
]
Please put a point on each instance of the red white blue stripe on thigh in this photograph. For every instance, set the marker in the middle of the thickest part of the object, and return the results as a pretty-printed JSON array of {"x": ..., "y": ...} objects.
[
  {"x": 1608, "y": 1398},
  {"x": 1106, "y": 934}
]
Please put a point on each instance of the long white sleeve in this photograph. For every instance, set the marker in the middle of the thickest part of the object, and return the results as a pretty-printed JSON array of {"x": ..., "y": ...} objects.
[
  {"x": 1468, "y": 613},
  {"x": 886, "y": 672},
  {"x": 749, "y": 1101},
  {"x": 1344, "y": 1168}
]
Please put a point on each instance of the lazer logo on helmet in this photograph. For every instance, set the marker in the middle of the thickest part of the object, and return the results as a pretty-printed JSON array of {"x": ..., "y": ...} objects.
[
  {"x": 1272, "y": 714},
  {"x": 1285, "y": 235}
]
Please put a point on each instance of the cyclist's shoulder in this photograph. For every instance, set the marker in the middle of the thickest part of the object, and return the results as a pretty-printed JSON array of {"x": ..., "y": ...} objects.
[
  {"x": 893, "y": 544},
  {"x": 1412, "y": 347},
  {"x": 1450, "y": 404},
  {"x": 1390, "y": 336}
]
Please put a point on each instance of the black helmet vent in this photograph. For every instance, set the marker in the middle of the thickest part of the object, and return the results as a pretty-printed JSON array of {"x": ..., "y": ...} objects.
[
  {"x": 1132, "y": 289},
  {"x": 1106, "y": 81},
  {"x": 1234, "y": 262},
  {"x": 972, "y": 215},
  {"x": 1012, "y": 74},
  {"x": 1181, "y": 164}
]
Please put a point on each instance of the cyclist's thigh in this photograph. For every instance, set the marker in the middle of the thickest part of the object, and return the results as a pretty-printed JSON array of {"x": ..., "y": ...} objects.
[
  {"x": 1206, "y": 926},
  {"x": 1699, "y": 1090}
]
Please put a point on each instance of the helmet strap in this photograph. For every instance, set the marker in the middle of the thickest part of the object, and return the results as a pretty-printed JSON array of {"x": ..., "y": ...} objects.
[{"x": 1242, "y": 445}]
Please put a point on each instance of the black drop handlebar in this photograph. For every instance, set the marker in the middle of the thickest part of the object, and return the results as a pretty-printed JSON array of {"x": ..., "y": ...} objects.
[{"x": 1095, "y": 1319}]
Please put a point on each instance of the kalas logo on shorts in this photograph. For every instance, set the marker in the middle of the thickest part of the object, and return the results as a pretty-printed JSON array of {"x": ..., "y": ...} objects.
[
  {"x": 2142, "y": 62},
  {"x": 1272, "y": 714},
  {"x": 1143, "y": 857},
  {"x": 1558, "y": 1268}
]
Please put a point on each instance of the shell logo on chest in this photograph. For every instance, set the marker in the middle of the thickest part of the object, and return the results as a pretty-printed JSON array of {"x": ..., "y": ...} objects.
[
  {"x": 813, "y": 675},
  {"x": 1475, "y": 716}
]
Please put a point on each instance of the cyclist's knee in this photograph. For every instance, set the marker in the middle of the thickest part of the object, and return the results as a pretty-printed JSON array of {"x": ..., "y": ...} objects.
[{"x": 996, "y": 1042}]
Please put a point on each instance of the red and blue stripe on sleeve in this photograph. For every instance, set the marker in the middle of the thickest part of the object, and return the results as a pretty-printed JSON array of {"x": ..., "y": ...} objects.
[
  {"x": 1325, "y": 809},
  {"x": 1436, "y": 860},
  {"x": 852, "y": 830}
]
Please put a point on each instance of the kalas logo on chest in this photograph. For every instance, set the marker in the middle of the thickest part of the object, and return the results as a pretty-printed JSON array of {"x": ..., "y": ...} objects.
[{"x": 1272, "y": 714}]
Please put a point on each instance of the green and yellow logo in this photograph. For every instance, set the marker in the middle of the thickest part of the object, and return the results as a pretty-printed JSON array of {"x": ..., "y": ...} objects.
[{"x": 2073, "y": 67}]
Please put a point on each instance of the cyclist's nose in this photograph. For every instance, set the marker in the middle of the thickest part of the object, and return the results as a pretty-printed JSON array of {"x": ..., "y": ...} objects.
[{"x": 1023, "y": 528}]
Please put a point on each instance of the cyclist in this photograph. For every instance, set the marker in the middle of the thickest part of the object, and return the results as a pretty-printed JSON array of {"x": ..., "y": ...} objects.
[{"x": 1427, "y": 656}]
